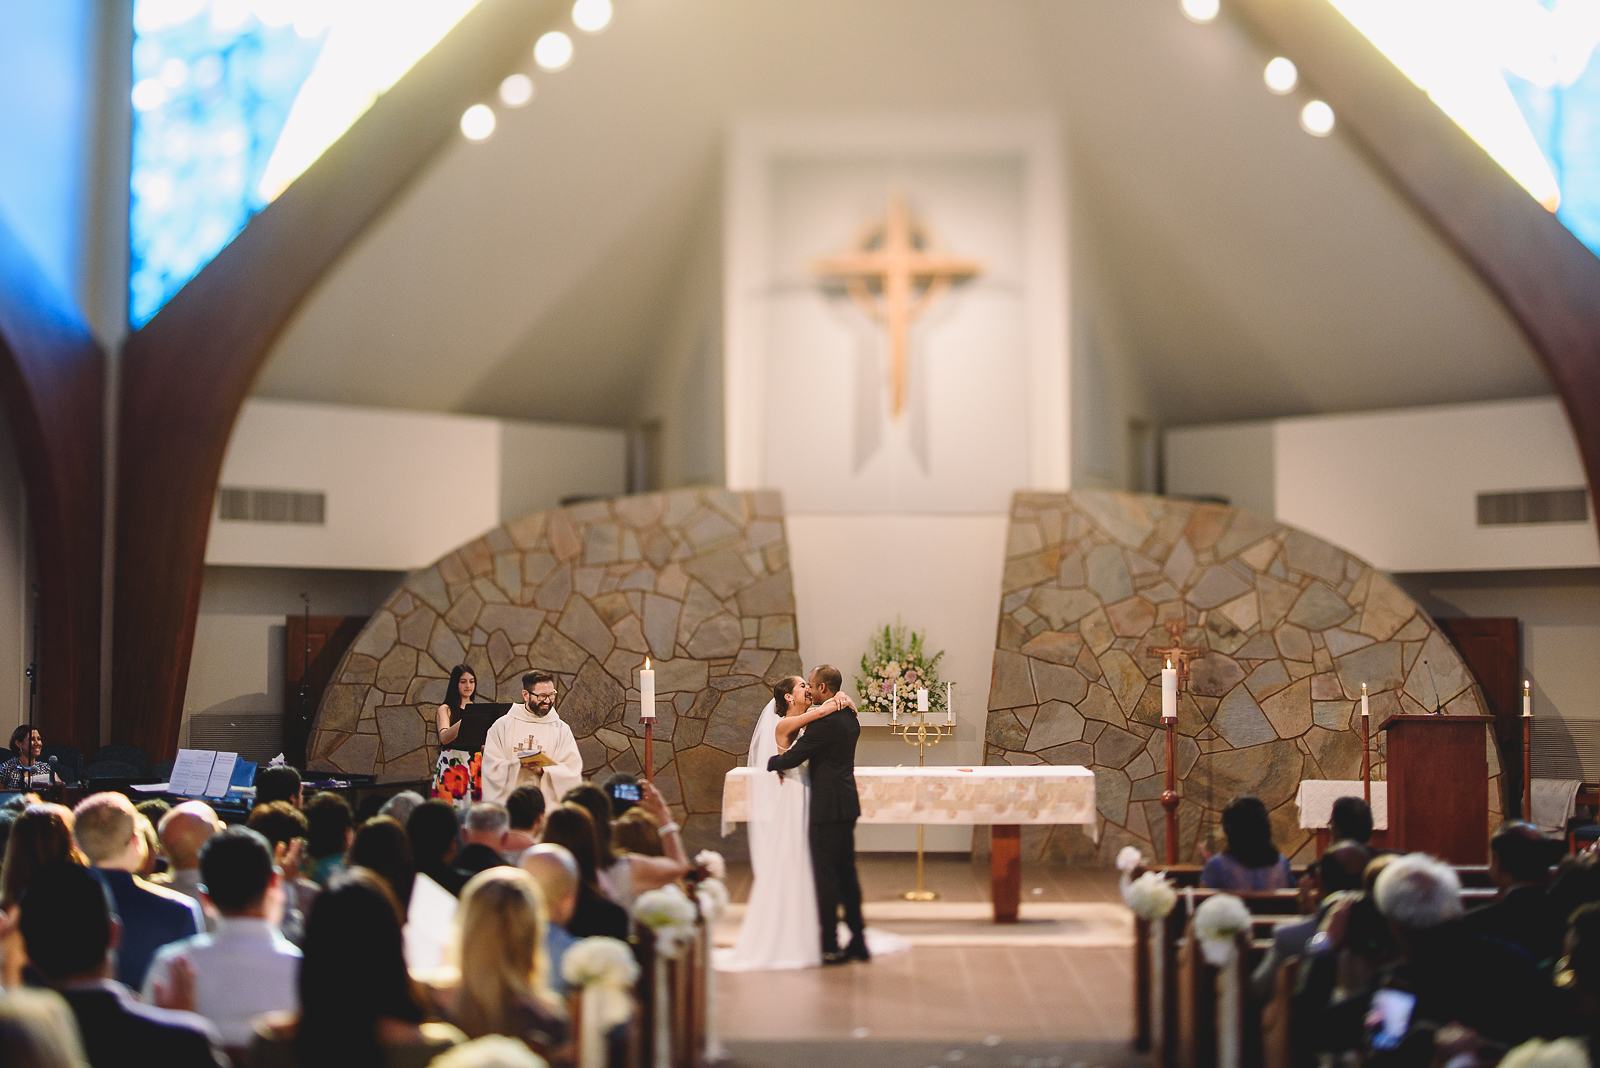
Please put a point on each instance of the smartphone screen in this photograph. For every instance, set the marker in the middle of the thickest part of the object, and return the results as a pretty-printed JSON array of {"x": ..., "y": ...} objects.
[
  {"x": 625, "y": 791},
  {"x": 1389, "y": 1018}
]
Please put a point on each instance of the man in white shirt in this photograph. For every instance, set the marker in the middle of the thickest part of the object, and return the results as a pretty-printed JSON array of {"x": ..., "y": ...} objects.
[
  {"x": 531, "y": 726},
  {"x": 246, "y": 967}
]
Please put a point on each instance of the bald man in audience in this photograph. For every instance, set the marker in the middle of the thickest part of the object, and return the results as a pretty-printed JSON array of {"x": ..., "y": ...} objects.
[
  {"x": 106, "y": 828},
  {"x": 184, "y": 830},
  {"x": 556, "y": 872}
]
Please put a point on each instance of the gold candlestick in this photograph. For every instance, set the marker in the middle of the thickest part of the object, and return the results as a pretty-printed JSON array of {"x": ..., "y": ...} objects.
[{"x": 917, "y": 731}]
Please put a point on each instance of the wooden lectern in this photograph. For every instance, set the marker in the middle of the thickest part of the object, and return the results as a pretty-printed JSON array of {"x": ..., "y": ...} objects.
[{"x": 1439, "y": 786}]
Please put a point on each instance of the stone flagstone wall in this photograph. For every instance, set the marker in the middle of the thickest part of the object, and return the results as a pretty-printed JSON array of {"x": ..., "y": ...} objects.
[
  {"x": 1291, "y": 627},
  {"x": 697, "y": 579}
]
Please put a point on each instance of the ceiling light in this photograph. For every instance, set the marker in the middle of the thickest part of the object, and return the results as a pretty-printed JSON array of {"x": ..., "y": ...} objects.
[
  {"x": 1316, "y": 118},
  {"x": 1201, "y": 10},
  {"x": 477, "y": 122},
  {"x": 1281, "y": 75},
  {"x": 553, "y": 51},
  {"x": 516, "y": 90},
  {"x": 148, "y": 94},
  {"x": 591, "y": 16}
]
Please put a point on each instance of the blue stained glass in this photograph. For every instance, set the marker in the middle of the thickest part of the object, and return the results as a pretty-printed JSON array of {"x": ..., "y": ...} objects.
[
  {"x": 211, "y": 93},
  {"x": 1565, "y": 120}
]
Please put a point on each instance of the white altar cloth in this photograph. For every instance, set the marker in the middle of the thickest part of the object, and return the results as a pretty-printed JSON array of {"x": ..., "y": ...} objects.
[
  {"x": 998, "y": 794},
  {"x": 1316, "y": 797}
]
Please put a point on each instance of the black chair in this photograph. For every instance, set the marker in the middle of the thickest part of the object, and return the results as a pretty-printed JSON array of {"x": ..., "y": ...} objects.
[
  {"x": 111, "y": 774},
  {"x": 69, "y": 762},
  {"x": 130, "y": 755}
]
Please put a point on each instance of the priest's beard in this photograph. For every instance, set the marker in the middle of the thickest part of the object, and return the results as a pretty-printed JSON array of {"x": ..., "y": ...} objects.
[{"x": 540, "y": 711}]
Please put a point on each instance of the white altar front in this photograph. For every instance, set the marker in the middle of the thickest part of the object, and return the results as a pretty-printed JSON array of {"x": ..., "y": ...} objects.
[{"x": 1002, "y": 796}]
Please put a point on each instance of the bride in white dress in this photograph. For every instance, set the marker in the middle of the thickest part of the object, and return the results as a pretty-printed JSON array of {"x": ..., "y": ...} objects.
[{"x": 780, "y": 922}]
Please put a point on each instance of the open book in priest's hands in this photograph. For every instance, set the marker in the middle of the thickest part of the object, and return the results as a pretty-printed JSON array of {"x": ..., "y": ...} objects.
[{"x": 531, "y": 756}]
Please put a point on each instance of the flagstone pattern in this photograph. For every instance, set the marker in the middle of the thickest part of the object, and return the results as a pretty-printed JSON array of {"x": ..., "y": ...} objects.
[
  {"x": 698, "y": 580},
  {"x": 1289, "y": 627}
]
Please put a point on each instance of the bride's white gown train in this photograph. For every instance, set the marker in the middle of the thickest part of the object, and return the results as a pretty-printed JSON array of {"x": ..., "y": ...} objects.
[{"x": 780, "y": 922}]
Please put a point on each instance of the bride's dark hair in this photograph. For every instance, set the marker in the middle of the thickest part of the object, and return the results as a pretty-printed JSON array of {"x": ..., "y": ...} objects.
[{"x": 781, "y": 691}]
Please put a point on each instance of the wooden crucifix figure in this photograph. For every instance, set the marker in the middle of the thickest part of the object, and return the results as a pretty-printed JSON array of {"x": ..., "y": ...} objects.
[{"x": 1178, "y": 653}]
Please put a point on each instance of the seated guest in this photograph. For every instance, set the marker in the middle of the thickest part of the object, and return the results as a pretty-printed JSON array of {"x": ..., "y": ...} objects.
[
  {"x": 246, "y": 967},
  {"x": 1250, "y": 861},
  {"x": 569, "y": 825},
  {"x": 279, "y": 782},
  {"x": 1520, "y": 862},
  {"x": 398, "y": 807},
  {"x": 184, "y": 830},
  {"x": 69, "y": 932},
  {"x": 435, "y": 839},
  {"x": 525, "y": 810},
  {"x": 502, "y": 984},
  {"x": 1350, "y": 821},
  {"x": 636, "y": 832},
  {"x": 41, "y": 837},
  {"x": 484, "y": 838},
  {"x": 553, "y": 868},
  {"x": 37, "y": 1030},
  {"x": 381, "y": 845},
  {"x": 284, "y": 828},
  {"x": 358, "y": 1005},
  {"x": 154, "y": 860},
  {"x": 1339, "y": 871},
  {"x": 1577, "y": 974},
  {"x": 624, "y": 876},
  {"x": 27, "y": 770},
  {"x": 330, "y": 826},
  {"x": 106, "y": 828}
]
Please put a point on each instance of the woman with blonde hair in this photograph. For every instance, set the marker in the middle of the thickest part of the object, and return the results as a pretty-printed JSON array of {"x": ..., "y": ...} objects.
[{"x": 505, "y": 989}]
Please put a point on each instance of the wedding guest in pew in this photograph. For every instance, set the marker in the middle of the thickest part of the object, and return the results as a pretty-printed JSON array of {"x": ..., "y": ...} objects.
[
  {"x": 41, "y": 838},
  {"x": 284, "y": 828},
  {"x": 1521, "y": 859},
  {"x": 381, "y": 845},
  {"x": 553, "y": 868},
  {"x": 330, "y": 827},
  {"x": 570, "y": 826},
  {"x": 1339, "y": 871},
  {"x": 400, "y": 806},
  {"x": 1350, "y": 821},
  {"x": 624, "y": 875},
  {"x": 435, "y": 840},
  {"x": 525, "y": 812},
  {"x": 37, "y": 1030},
  {"x": 184, "y": 831},
  {"x": 484, "y": 837},
  {"x": 1577, "y": 976},
  {"x": 279, "y": 782},
  {"x": 1250, "y": 862}
]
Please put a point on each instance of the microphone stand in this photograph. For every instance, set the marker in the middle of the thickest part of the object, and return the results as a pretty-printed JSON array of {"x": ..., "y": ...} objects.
[
  {"x": 297, "y": 754},
  {"x": 32, "y": 671}
]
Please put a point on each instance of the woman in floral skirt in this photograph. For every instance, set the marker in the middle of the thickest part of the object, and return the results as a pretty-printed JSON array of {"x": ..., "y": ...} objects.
[{"x": 455, "y": 776}]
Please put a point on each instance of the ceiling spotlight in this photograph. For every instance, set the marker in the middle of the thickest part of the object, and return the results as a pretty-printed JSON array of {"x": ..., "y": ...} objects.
[
  {"x": 1316, "y": 118},
  {"x": 1201, "y": 11},
  {"x": 477, "y": 122},
  {"x": 591, "y": 16},
  {"x": 516, "y": 90},
  {"x": 553, "y": 51},
  {"x": 1281, "y": 75}
]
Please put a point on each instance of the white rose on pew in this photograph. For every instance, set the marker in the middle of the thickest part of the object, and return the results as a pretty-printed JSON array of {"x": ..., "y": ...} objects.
[
  {"x": 712, "y": 862},
  {"x": 713, "y": 897},
  {"x": 1150, "y": 896},
  {"x": 1561, "y": 1053},
  {"x": 1217, "y": 922},
  {"x": 1129, "y": 860},
  {"x": 599, "y": 961},
  {"x": 670, "y": 915}
]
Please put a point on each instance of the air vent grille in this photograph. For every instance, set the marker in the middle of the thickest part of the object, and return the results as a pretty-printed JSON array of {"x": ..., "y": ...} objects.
[
  {"x": 256, "y": 736},
  {"x": 1523, "y": 507},
  {"x": 1566, "y": 748},
  {"x": 249, "y": 505}
]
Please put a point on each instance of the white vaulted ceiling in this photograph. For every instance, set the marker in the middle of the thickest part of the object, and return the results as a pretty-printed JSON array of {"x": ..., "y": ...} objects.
[{"x": 1250, "y": 269}]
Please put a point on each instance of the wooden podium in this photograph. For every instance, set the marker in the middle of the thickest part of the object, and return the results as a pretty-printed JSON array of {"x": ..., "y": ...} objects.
[{"x": 1439, "y": 786}]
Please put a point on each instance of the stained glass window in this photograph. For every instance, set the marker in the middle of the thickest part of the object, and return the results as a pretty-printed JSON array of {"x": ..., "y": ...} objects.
[{"x": 234, "y": 99}]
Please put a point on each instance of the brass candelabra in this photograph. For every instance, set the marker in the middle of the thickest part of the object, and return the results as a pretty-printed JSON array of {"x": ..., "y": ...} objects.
[{"x": 915, "y": 730}]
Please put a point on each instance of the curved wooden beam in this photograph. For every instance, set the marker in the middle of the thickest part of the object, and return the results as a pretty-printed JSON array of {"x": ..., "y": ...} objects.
[
  {"x": 52, "y": 383},
  {"x": 186, "y": 373},
  {"x": 1548, "y": 280}
]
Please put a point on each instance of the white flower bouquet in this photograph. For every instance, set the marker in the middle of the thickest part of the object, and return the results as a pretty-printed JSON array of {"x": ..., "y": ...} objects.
[
  {"x": 897, "y": 663},
  {"x": 1558, "y": 1053},
  {"x": 711, "y": 862},
  {"x": 599, "y": 962},
  {"x": 1150, "y": 896},
  {"x": 1129, "y": 860},
  {"x": 1217, "y": 922},
  {"x": 670, "y": 915},
  {"x": 713, "y": 897}
]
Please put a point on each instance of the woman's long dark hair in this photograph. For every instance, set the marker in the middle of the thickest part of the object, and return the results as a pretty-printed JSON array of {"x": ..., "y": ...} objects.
[
  {"x": 1249, "y": 832},
  {"x": 353, "y": 974},
  {"x": 570, "y": 825},
  {"x": 598, "y": 805},
  {"x": 452, "y": 690},
  {"x": 381, "y": 846}
]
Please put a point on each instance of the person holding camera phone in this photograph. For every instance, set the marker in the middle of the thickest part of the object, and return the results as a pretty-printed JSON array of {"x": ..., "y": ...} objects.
[{"x": 623, "y": 875}]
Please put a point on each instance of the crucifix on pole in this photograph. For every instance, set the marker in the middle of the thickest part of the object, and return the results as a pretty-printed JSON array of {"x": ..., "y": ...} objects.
[{"x": 1175, "y": 656}]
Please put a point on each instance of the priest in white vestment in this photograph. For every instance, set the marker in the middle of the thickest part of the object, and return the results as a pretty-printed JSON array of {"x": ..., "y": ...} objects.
[{"x": 531, "y": 727}]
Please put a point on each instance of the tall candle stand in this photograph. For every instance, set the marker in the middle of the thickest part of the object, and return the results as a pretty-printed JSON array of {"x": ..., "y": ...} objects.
[{"x": 916, "y": 730}]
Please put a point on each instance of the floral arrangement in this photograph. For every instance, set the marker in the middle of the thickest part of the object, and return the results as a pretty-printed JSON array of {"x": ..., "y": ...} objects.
[
  {"x": 1150, "y": 896},
  {"x": 599, "y": 961},
  {"x": 1217, "y": 922},
  {"x": 710, "y": 865},
  {"x": 712, "y": 896},
  {"x": 1558, "y": 1053},
  {"x": 670, "y": 914},
  {"x": 1129, "y": 860},
  {"x": 897, "y": 663}
]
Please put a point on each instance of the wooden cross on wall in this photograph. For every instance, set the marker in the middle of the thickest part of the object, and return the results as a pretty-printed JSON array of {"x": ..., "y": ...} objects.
[
  {"x": 894, "y": 257},
  {"x": 1178, "y": 653}
]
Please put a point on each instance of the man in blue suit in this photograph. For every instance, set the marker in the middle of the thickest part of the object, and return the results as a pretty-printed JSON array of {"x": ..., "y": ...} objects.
[{"x": 106, "y": 828}]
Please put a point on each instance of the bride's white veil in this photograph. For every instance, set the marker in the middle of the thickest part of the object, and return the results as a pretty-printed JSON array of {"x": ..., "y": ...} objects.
[{"x": 764, "y": 784}]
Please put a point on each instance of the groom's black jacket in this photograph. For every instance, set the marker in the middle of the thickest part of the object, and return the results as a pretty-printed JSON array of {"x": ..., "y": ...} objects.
[{"x": 830, "y": 745}]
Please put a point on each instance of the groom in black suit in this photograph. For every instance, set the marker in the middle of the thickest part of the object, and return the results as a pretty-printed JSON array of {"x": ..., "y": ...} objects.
[{"x": 830, "y": 745}]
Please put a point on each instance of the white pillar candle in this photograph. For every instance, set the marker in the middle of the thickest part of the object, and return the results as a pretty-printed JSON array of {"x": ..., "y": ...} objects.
[
  {"x": 894, "y": 703},
  {"x": 1364, "y": 710},
  {"x": 647, "y": 691},
  {"x": 949, "y": 705},
  {"x": 1169, "y": 692},
  {"x": 922, "y": 699},
  {"x": 1527, "y": 698}
]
